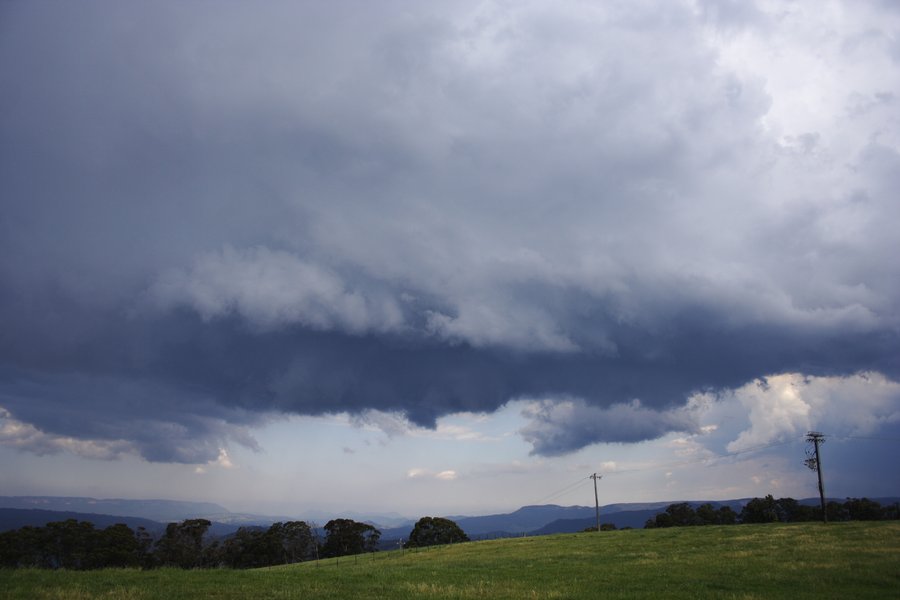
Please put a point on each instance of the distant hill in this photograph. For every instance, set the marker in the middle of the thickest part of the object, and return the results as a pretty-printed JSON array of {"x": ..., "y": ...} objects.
[
  {"x": 164, "y": 511},
  {"x": 527, "y": 518},
  {"x": 16, "y": 518},
  {"x": 550, "y": 518},
  {"x": 637, "y": 518},
  {"x": 533, "y": 518},
  {"x": 625, "y": 518},
  {"x": 156, "y": 510}
]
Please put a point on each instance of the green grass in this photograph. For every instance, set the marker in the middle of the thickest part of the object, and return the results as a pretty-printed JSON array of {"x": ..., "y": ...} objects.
[{"x": 840, "y": 560}]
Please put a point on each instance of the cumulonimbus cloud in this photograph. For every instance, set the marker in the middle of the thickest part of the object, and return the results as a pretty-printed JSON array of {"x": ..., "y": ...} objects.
[
  {"x": 790, "y": 404},
  {"x": 439, "y": 209}
]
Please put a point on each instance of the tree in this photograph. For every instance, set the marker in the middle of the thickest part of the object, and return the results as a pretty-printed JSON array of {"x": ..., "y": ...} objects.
[
  {"x": 346, "y": 536},
  {"x": 282, "y": 543},
  {"x": 726, "y": 516},
  {"x": 836, "y": 511},
  {"x": 248, "y": 548},
  {"x": 663, "y": 519},
  {"x": 863, "y": 509},
  {"x": 70, "y": 544},
  {"x": 145, "y": 547},
  {"x": 118, "y": 546},
  {"x": 182, "y": 544},
  {"x": 760, "y": 510},
  {"x": 78, "y": 545},
  {"x": 297, "y": 541},
  {"x": 676, "y": 515},
  {"x": 707, "y": 515},
  {"x": 606, "y": 527},
  {"x": 682, "y": 514},
  {"x": 432, "y": 531}
]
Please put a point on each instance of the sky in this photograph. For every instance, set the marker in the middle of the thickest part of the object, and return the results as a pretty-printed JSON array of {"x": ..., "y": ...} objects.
[{"x": 448, "y": 257}]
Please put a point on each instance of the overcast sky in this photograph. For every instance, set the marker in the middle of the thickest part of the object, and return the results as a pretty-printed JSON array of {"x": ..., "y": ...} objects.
[{"x": 447, "y": 257}]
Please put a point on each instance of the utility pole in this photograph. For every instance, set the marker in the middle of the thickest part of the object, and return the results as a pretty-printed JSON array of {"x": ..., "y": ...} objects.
[
  {"x": 814, "y": 462},
  {"x": 595, "y": 477}
]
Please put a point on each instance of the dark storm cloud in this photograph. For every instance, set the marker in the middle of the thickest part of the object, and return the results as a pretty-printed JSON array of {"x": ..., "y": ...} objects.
[
  {"x": 561, "y": 427},
  {"x": 159, "y": 422},
  {"x": 212, "y": 214}
]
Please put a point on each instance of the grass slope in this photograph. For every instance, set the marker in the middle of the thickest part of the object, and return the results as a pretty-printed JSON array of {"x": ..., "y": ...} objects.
[{"x": 840, "y": 560}]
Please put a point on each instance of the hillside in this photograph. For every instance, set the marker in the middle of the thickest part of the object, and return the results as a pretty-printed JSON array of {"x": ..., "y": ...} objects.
[{"x": 796, "y": 562}]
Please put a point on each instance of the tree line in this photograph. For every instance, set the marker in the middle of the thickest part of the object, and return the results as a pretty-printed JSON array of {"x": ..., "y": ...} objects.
[
  {"x": 73, "y": 544},
  {"x": 78, "y": 545},
  {"x": 770, "y": 510}
]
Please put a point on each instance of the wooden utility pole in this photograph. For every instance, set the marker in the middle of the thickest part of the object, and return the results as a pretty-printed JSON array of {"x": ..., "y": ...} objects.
[
  {"x": 815, "y": 462},
  {"x": 595, "y": 477}
]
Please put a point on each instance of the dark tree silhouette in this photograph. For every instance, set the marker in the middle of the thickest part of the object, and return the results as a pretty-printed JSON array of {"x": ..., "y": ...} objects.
[
  {"x": 182, "y": 544},
  {"x": 432, "y": 531},
  {"x": 346, "y": 536},
  {"x": 863, "y": 509},
  {"x": 760, "y": 510}
]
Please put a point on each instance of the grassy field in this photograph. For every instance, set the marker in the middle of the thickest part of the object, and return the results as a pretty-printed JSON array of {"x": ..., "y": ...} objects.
[{"x": 840, "y": 560}]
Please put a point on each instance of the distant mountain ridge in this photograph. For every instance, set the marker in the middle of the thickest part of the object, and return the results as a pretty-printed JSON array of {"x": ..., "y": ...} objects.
[
  {"x": 530, "y": 519},
  {"x": 16, "y": 518},
  {"x": 627, "y": 515},
  {"x": 550, "y": 518},
  {"x": 156, "y": 510},
  {"x": 533, "y": 519},
  {"x": 164, "y": 511}
]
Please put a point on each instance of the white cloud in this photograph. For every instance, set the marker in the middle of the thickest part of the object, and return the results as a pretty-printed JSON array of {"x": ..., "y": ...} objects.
[
  {"x": 390, "y": 423},
  {"x": 416, "y": 473},
  {"x": 224, "y": 461},
  {"x": 421, "y": 473},
  {"x": 786, "y": 406},
  {"x": 394, "y": 424},
  {"x": 26, "y": 437},
  {"x": 776, "y": 409},
  {"x": 448, "y": 475}
]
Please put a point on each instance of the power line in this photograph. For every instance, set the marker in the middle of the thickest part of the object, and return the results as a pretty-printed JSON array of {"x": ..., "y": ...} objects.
[
  {"x": 707, "y": 459},
  {"x": 569, "y": 488},
  {"x": 861, "y": 437},
  {"x": 575, "y": 484}
]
